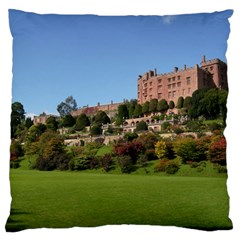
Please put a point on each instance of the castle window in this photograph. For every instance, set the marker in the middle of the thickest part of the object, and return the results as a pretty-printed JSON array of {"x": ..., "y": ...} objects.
[
  {"x": 169, "y": 80},
  {"x": 173, "y": 78},
  {"x": 150, "y": 83},
  {"x": 178, "y": 77},
  {"x": 211, "y": 68},
  {"x": 179, "y": 84},
  {"x": 159, "y": 87},
  {"x": 174, "y": 94},
  {"x": 189, "y": 90},
  {"x": 188, "y": 80},
  {"x": 145, "y": 85},
  {"x": 169, "y": 94},
  {"x": 183, "y": 92},
  {"x": 159, "y": 95},
  {"x": 169, "y": 86},
  {"x": 150, "y": 89},
  {"x": 174, "y": 85},
  {"x": 159, "y": 81}
]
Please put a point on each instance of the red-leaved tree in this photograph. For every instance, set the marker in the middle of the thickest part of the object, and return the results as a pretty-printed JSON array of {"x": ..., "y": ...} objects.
[
  {"x": 131, "y": 149},
  {"x": 217, "y": 151}
]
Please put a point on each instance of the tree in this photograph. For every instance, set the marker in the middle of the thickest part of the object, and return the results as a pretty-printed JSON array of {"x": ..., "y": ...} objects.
[
  {"x": 122, "y": 113},
  {"x": 141, "y": 126},
  {"x": 137, "y": 111},
  {"x": 160, "y": 149},
  {"x": 162, "y": 105},
  {"x": 35, "y": 131},
  {"x": 217, "y": 151},
  {"x": 17, "y": 117},
  {"x": 96, "y": 130},
  {"x": 180, "y": 102},
  {"x": 130, "y": 136},
  {"x": 28, "y": 122},
  {"x": 101, "y": 118},
  {"x": 52, "y": 154},
  {"x": 210, "y": 104},
  {"x": 82, "y": 122},
  {"x": 131, "y": 107},
  {"x": 186, "y": 149},
  {"x": 153, "y": 105},
  {"x": 68, "y": 120},
  {"x": 67, "y": 107},
  {"x": 222, "y": 100},
  {"x": 187, "y": 102},
  {"x": 145, "y": 107},
  {"x": 171, "y": 105},
  {"x": 132, "y": 149},
  {"x": 198, "y": 108},
  {"x": 51, "y": 123},
  {"x": 16, "y": 150}
]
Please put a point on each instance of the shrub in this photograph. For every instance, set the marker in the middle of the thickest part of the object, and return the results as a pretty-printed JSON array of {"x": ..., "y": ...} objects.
[
  {"x": 161, "y": 165},
  {"x": 160, "y": 149},
  {"x": 130, "y": 136},
  {"x": 200, "y": 169},
  {"x": 150, "y": 154},
  {"x": 186, "y": 149},
  {"x": 169, "y": 150},
  {"x": 165, "y": 126},
  {"x": 16, "y": 150},
  {"x": 214, "y": 126},
  {"x": 222, "y": 169},
  {"x": 96, "y": 130},
  {"x": 81, "y": 163},
  {"x": 125, "y": 164},
  {"x": 106, "y": 162},
  {"x": 177, "y": 130},
  {"x": 14, "y": 164},
  {"x": 131, "y": 149},
  {"x": 141, "y": 126},
  {"x": 76, "y": 150},
  {"x": 148, "y": 140},
  {"x": 52, "y": 153},
  {"x": 172, "y": 167},
  {"x": 93, "y": 162},
  {"x": 217, "y": 151},
  {"x": 168, "y": 166},
  {"x": 194, "y": 164},
  {"x": 99, "y": 141},
  {"x": 142, "y": 160}
]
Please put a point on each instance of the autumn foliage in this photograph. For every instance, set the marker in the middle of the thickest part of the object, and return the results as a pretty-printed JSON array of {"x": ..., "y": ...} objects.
[{"x": 217, "y": 151}]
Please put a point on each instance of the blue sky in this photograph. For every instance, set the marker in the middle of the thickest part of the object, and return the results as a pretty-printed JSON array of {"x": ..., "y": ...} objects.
[{"x": 98, "y": 58}]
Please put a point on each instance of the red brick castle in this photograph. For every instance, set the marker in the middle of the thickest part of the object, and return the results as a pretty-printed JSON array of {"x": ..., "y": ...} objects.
[{"x": 183, "y": 82}]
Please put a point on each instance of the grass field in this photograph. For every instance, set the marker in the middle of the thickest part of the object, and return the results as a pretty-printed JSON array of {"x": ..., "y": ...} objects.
[{"x": 66, "y": 199}]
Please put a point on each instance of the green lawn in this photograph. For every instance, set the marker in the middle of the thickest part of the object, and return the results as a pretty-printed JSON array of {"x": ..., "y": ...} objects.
[{"x": 66, "y": 199}]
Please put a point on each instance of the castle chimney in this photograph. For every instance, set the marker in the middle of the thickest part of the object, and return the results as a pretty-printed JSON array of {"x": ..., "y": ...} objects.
[
  {"x": 203, "y": 59},
  {"x": 175, "y": 69},
  {"x": 185, "y": 66},
  {"x": 155, "y": 72}
]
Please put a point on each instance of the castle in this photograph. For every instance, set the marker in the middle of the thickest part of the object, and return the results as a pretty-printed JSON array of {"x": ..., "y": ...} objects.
[
  {"x": 168, "y": 86},
  {"x": 183, "y": 82}
]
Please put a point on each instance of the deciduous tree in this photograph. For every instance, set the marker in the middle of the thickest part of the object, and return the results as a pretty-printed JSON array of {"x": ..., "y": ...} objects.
[
  {"x": 17, "y": 117},
  {"x": 67, "y": 106}
]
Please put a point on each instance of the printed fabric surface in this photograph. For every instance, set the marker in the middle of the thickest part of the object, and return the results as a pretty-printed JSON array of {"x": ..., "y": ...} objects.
[{"x": 119, "y": 120}]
